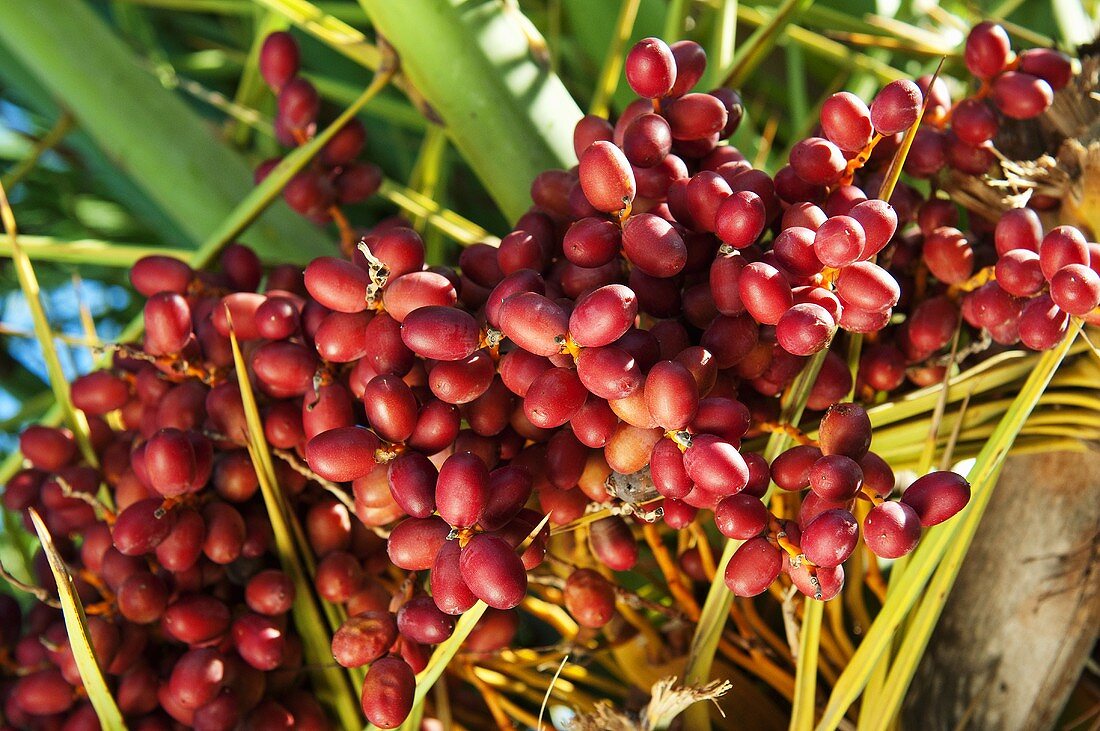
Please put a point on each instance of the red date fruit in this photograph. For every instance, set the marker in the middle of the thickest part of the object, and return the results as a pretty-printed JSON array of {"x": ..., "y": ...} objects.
[
  {"x": 590, "y": 598},
  {"x": 387, "y": 696},
  {"x": 937, "y": 497},
  {"x": 342, "y": 454},
  {"x": 364, "y": 638},
  {"x": 606, "y": 177},
  {"x": 753, "y": 567},
  {"x": 493, "y": 572}
]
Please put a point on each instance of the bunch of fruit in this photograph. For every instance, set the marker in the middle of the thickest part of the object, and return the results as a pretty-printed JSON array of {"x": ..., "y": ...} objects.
[
  {"x": 336, "y": 177},
  {"x": 616, "y": 353},
  {"x": 187, "y": 607}
]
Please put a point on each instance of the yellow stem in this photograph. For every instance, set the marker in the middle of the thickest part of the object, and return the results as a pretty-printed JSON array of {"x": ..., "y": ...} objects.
[
  {"x": 671, "y": 572},
  {"x": 613, "y": 61}
]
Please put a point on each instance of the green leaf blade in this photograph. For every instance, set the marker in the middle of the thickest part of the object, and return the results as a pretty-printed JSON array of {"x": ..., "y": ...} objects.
[
  {"x": 146, "y": 130},
  {"x": 509, "y": 118},
  {"x": 59, "y": 383},
  {"x": 76, "y": 627}
]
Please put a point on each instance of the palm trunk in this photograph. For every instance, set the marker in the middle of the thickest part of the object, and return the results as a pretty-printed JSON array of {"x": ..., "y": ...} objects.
[{"x": 1023, "y": 616}]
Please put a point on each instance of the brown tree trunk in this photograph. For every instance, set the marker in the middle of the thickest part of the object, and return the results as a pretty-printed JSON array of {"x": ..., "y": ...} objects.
[{"x": 1023, "y": 615}]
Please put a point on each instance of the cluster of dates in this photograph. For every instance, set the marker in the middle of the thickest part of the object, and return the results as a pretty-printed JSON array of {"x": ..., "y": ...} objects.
[
  {"x": 838, "y": 470},
  {"x": 336, "y": 177},
  {"x": 188, "y": 610},
  {"x": 614, "y": 351},
  {"x": 960, "y": 135}
]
